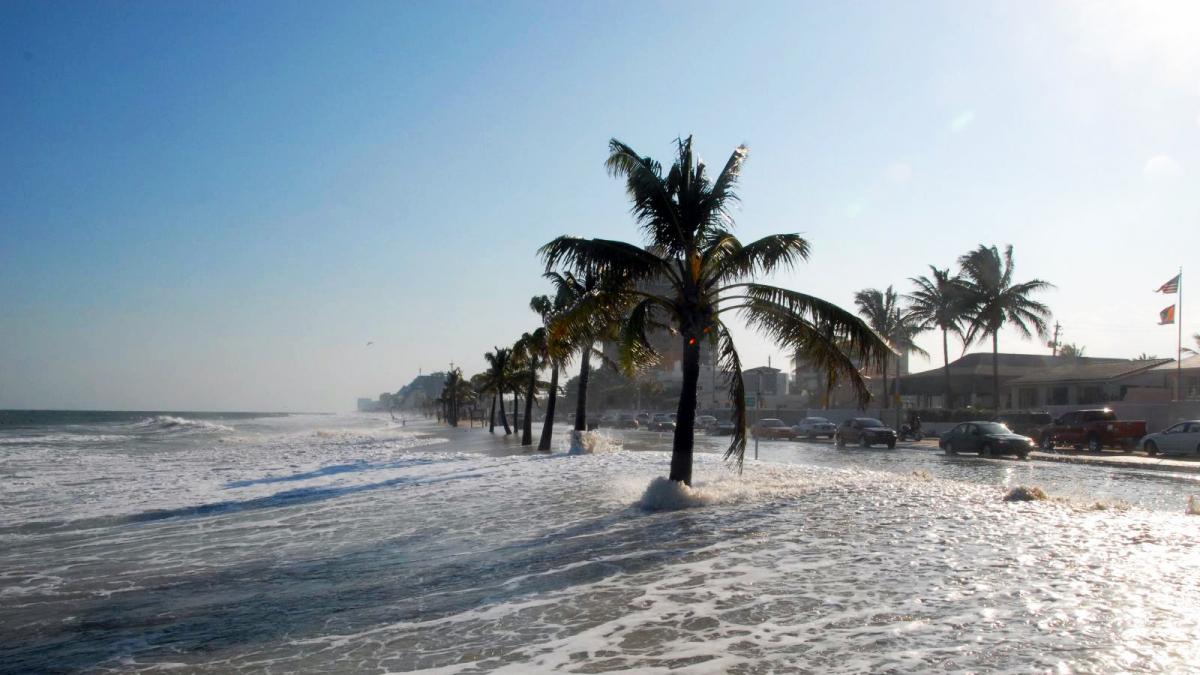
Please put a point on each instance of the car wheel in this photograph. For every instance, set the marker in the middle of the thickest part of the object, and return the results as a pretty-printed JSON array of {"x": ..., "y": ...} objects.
[
  {"x": 949, "y": 447},
  {"x": 1048, "y": 442},
  {"x": 841, "y": 442},
  {"x": 864, "y": 442},
  {"x": 1023, "y": 455},
  {"x": 986, "y": 450},
  {"x": 1152, "y": 448},
  {"x": 1094, "y": 444},
  {"x": 891, "y": 445}
]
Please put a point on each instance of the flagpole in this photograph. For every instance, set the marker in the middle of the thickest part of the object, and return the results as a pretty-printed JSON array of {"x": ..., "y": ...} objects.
[{"x": 1179, "y": 338}]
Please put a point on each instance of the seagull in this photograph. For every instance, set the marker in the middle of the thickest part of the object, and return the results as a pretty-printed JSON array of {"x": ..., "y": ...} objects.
[{"x": 370, "y": 343}]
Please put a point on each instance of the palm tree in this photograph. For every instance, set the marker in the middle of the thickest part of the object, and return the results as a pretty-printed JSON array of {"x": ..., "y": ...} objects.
[
  {"x": 824, "y": 354},
  {"x": 532, "y": 346},
  {"x": 995, "y": 299},
  {"x": 938, "y": 303},
  {"x": 696, "y": 261},
  {"x": 590, "y": 322},
  {"x": 497, "y": 374},
  {"x": 882, "y": 313},
  {"x": 555, "y": 348},
  {"x": 451, "y": 395},
  {"x": 1072, "y": 350}
]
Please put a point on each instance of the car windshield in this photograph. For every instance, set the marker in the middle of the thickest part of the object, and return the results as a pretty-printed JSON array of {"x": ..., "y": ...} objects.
[
  {"x": 871, "y": 422},
  {"x": 994, "y": 428}
]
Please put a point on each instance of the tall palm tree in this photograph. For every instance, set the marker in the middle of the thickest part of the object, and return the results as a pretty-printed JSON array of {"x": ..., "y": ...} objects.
[
  {"x": 995, "y": 300},
  {"x": 496, "y": 384},
  {"x": 696, "y": 261},
  {"x": 1072, "y": 350},
  {"x": 882, "y": 312},
  {"x": 938, "y": 302}
]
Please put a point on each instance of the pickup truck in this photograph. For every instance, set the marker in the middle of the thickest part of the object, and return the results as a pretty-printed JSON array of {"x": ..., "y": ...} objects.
[{"x": 1093, "y": 429}]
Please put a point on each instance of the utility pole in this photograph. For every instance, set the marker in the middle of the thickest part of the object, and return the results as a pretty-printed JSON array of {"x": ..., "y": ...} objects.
[{"x": 1054, "y": 344}]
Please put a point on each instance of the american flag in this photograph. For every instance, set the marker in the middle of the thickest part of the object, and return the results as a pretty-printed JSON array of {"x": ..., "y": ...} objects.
[{"x": 1171, "y": 286}]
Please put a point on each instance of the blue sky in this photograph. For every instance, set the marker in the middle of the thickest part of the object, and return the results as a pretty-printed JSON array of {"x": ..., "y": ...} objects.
[{"x": 216, "y": 205}]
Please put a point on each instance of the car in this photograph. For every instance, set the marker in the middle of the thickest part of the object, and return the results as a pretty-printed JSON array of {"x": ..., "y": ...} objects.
[
  {"x": 986, "y": 439},
  {"x": 723, "y": 429},
  {"x": 1178, "y": 439},
  {"x": 866, "y": 431},
  {"x": 812, "y": 427},
  {"x": 643, "y": 420},
  {"x": 663, "y": 422},
  {"x": 706, "y": 422},
  {"x": 1026, "y": 423},
  {"x": 771, "y": 428},
  {"x": 626, "y": 421},
  {"x": 1094, "y": 429}
]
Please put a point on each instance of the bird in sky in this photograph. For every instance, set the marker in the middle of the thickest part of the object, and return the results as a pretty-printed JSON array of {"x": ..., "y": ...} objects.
[{"x": 370, "y": 343}]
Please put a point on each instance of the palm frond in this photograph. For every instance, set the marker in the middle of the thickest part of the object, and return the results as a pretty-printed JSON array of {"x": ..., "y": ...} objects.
[{"x": 730, "y": 362}]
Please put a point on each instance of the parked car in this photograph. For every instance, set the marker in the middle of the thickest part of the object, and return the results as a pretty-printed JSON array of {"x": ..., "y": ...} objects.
[
  {"x": 1094, "y": 429},
  {"x": 1177, "y": 439},
  {"x": 811, "y": 427},
  {"x": 985, "y": 439},
  {"x": 706, "y": 422},
  {"x": 723, "y": 429},
  {"x": 626, "y": 421},
  {"x": 1026, "y": 423},
  {"x": 771, "y": 428},
  {"x": 663, "y": 422},
  {"x": 643, "y": 420},
  {"x": 866, "y": 431}
]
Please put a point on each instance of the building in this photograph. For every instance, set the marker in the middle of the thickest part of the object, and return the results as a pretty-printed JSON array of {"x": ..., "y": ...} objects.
[
  {"x": 1189, "y": 370},
  {"x": 971, "y": 379},
  {"x": 1080, "y": 383}
]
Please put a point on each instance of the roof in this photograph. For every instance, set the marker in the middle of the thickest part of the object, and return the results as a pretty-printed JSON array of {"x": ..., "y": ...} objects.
[
  {"x": 1190, "y": 363},
  {"x": 1088, "y": 372},
  {"x": 979, "y": 364}
]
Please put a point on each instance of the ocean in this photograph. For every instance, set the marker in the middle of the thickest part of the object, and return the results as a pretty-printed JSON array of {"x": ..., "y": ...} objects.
[{"x": 244, "y": 542}]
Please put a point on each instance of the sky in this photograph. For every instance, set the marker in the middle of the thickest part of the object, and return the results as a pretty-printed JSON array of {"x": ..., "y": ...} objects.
[{"x": 217, "y": 205}]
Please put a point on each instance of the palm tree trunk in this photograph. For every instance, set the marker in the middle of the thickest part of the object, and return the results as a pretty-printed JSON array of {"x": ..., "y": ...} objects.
[
  {"x": 585, "y": 371},
  {"x": 492, "y": 418},
  {"x": 527, "y": 429},
  {"x": 503, "y": 416},
  {"x": 949, "y": 402},
  {"x": 552, "y": 397},
  {"x": 885, "y": 382},
  {"x": 996, "y": 370},
  {"x": 516, "y": 411},
  {"x": 685, "y": 416}
]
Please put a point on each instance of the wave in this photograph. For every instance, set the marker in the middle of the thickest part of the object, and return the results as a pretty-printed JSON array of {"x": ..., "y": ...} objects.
[
  {"x": 172, "y": 423},
  {"x": 64, "y": 438}
]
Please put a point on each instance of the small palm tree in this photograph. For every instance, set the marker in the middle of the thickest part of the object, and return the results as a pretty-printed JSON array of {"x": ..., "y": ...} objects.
[
  {"x": 691, "y": 263},
  {"x": 995, "y": 300},
  {"x": 938, "y": 302},
  {"x": 1072, "y": 350},
  {"x": 497, "y": 375}
]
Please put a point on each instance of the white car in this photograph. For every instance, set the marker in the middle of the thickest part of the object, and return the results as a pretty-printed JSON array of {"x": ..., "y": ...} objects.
[
  {"x": 1179, "y": 439},
  {"x": 811, "y": 427}
]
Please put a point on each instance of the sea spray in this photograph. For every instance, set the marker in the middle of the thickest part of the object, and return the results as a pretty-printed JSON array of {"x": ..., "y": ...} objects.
[{"x": 591, "y": 443}]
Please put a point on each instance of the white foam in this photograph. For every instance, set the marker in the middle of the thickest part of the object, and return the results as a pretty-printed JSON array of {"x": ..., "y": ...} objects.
[{"x": 592, "y": 442}]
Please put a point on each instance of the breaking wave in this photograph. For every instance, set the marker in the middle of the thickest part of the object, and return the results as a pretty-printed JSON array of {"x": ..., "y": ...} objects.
[{"x": 172, "y": 423}]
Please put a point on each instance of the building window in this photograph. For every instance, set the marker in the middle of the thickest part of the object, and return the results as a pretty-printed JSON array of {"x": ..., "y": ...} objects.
[{"x": 1059, "y": 396}]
